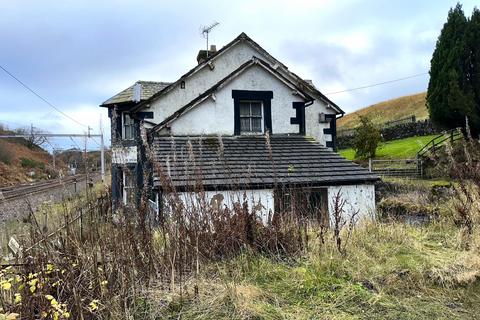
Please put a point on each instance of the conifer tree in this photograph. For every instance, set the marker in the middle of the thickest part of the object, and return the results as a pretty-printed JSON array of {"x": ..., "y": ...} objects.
[
  {"x": 451, "y": 95},
  {"x": 474, "y": 43}
]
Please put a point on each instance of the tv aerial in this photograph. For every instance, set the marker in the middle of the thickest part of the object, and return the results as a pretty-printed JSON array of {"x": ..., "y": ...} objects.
[{"x": 205, "y": 30}]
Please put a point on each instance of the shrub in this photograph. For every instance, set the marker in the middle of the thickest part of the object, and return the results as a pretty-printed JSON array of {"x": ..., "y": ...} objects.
[
  {"x": 30, "y": 163},
  {"x": 6, "y": 156},
  {"x": 367, "y": 137}
]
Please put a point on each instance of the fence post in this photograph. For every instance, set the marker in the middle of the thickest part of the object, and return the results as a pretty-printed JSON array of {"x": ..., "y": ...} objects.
[
  {"x": 370, "y": 164},
  {"x": 421, "y": 168}
]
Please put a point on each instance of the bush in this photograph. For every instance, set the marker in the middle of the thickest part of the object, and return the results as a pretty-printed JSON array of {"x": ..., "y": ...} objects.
[
  {"x": 30, "y": 163},
  {"x": 6, "y": 156},
  {"x": 367, "y": 137}
]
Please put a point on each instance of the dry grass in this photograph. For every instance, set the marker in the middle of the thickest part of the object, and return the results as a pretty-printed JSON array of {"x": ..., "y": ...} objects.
[
  {"x": 388, "y": 111},
  {"x": 392, "y": 271},
  {"x": 13, "y": 173}
]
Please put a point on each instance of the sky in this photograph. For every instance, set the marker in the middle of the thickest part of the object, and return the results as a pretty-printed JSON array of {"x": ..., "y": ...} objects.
[{"x": 77, "y": 54}]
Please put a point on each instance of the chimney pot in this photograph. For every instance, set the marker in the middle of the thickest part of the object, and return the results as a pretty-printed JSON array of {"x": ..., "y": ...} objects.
[
  {"x": 137, "y": 92},
  {"x": 213, "y": 48}
]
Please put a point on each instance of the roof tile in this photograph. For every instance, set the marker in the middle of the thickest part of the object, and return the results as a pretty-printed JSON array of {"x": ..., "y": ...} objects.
[{"x": 231, "y": 161}]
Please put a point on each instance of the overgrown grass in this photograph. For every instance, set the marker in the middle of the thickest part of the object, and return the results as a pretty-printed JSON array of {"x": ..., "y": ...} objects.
[
  {"x": 396, "y": 149},
  {"x": 389, "y": 110},
  {"x": 392, "y": 271}
]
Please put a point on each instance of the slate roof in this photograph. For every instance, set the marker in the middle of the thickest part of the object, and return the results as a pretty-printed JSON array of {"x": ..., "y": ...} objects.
[
  {"x": 239, "y": 161},
  {"x": 242, "y": 37},
  {"x": 149, "y": 88}
]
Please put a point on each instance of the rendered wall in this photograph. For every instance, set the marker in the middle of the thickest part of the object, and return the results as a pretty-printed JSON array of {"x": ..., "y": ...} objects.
[
  {"x": 260, "y": 200},
  {"x": 359, "y": 197},
  {"x": 202, "y": 80},
  {"x": 217, "y": 116}
]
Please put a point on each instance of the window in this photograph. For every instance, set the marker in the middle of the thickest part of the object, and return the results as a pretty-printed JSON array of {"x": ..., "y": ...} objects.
[
  {"x": 128, "y": 127},
  {"x": 128, "y": 187},
  {"x": 251, "y": 114},
  {"x": 308, "y": 202}
]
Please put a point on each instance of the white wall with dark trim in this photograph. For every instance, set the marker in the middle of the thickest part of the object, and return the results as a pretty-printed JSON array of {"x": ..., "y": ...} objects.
[
  {"x": 202, "y": 80},
  {"x": 213, "y": 117}
]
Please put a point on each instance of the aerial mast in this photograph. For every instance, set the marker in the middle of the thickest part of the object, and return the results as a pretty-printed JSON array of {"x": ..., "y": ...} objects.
[{"x": 205, "y": 30}]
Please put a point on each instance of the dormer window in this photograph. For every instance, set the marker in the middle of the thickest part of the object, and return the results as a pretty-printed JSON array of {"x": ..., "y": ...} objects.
[
  {"x": 251, "y": 117},
  {"x": 128, "y": 127},
  {"x": 252, "y": 112}
]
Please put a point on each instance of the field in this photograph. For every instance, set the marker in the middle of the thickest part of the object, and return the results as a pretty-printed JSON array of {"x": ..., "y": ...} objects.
[
  {"x": 397, "y": 149},
  {"x": 86, "y": 261},
  {"x": 388, "y": 111}
]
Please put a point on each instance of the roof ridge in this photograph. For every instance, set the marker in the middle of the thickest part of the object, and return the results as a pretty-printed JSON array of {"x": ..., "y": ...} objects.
[
  {"x": 253, "y": 61},
  {"x": 151, "y": 81}
]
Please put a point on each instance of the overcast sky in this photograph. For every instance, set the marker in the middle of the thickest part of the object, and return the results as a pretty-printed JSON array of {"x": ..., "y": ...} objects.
[{"x": 79, "y": 53}]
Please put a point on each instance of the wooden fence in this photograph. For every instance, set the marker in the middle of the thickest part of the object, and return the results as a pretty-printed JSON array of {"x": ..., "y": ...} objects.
[
  {"x": 397, "y": 167},
  {"x": 434, "y": 145}
]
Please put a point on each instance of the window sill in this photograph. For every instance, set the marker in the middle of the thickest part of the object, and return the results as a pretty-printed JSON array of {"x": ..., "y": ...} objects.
[{"x": 252, "y": 133}]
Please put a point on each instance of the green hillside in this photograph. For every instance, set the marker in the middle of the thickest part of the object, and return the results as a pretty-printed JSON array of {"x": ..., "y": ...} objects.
[
  {"x": 389, "y": 110},
  {"x": 397, "y": 149}
]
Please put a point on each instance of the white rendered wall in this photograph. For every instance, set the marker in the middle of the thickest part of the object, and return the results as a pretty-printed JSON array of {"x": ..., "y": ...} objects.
[
  {"x": 313, "y": 128},
  {"x": 359, "y": 197},
  {"x": 217, "y": 116},
  {"x": 202, "y": 80},
  {"x": 224, "y": 64},
  {"x": 261, "y": 200}
]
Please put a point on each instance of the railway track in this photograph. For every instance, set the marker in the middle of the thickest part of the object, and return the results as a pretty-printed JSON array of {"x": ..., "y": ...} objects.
[{"x": 20, "y": 191}]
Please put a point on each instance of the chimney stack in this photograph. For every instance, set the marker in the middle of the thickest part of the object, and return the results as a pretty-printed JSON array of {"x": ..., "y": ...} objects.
[
  {"x": 202, "y": 54},
  {"x": 137, "y": 92}
]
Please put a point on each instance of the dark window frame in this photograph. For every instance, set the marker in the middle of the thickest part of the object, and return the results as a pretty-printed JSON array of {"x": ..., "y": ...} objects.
[
  {"x": 245, "y": 95},
  {"x": 251, "y": 116},
  {"x": 130, "y": 126}
]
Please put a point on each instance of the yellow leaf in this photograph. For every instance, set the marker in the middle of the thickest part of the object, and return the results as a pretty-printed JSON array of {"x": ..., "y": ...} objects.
[
  {"x": 6, "y": 286},
  {"x": 18, "y": 298},
  {"x": 49, "y": 297},
  {"x": 33, "y": 282},
  {"x": 54, "y": 303},
  {"x": 32, "y": 289}
]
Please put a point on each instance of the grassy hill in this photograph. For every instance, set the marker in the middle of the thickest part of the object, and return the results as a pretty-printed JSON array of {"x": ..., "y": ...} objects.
[
  {"x": 389, "y": 110},
  {"x": 397, "y": 149},
  {"x": 21, "y": 164}
]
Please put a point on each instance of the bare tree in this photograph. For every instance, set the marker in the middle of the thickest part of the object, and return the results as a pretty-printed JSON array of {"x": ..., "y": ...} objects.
[{"x": 32, "y": 136}]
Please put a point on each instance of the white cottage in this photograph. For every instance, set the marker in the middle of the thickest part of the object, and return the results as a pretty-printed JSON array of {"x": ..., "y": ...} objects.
[{"x": 239, "y": 124}]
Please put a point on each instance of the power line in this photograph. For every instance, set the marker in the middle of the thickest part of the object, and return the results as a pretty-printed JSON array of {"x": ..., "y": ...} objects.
[
  {"x": 95, "y": 140},
  {"x": 379, "y": 83},
  {"x": 39, "y": 96}
]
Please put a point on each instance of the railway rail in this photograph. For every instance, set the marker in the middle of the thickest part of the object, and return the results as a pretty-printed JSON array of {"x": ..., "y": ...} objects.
[{"x": 14, "y": 192}]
